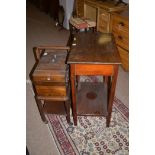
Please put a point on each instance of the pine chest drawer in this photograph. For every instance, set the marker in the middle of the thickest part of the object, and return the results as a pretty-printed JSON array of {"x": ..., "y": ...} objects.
[{"x": 120, "y": 29}]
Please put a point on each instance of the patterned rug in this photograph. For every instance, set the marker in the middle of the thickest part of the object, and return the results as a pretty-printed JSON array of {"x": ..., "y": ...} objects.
[{"x": 91, "y": 137}]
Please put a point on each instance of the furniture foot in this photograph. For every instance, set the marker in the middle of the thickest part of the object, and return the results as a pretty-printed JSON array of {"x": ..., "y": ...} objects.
[
  {"x": 108, "y": 120},
  {"x": 67, "y": 107},
  {"x": 75, "y": 120}
]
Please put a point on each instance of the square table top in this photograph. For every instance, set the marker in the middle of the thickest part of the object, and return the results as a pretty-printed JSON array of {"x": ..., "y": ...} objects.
[{"x": 93, "y": 48}]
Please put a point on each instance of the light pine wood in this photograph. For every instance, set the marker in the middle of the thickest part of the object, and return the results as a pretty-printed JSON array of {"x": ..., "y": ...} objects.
[
  {"x": 90, "y": 12},
  {"x": 124, "y": 54},
  {"x": 100, "y": 11},
  {"x": 120, "y": 29},
  {"x": 103, "y": 21}
]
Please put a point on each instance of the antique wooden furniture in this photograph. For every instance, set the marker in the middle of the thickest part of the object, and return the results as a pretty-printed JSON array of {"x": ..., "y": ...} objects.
[
  {"x": 93, "y": 54},
  {"x": 78, "y": 22},
  {"x": 50, "y": 81},
  {"x": 120, "y": 29},
  {"x": 100, "y": 12}
]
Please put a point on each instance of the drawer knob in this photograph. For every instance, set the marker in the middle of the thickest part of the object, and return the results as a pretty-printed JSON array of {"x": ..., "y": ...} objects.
[
  {"x": 48, "y": 78},
  {"x": 120, "y": 37},
  {"x": 121, "y": 24},
  {"x": 54, "y": 58}
]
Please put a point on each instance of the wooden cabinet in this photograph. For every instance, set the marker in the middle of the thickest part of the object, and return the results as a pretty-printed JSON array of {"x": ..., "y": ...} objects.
[
  {"x": 120, "y": 29},
  {"x": 100, "y": 12}
]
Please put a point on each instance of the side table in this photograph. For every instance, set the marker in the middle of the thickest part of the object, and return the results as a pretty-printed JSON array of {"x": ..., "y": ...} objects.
[{"x": 93, "y": 54}]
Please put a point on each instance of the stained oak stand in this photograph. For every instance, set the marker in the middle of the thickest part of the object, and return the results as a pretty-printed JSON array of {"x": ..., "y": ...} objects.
[{"x": 93, "y": 54}]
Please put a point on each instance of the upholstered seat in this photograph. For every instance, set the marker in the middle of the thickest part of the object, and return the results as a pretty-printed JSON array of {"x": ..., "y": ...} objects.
[{"x": 77, "y": 23}]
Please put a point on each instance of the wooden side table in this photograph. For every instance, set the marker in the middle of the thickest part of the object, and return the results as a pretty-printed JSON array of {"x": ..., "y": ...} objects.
[{"x": 93, "y": 54}]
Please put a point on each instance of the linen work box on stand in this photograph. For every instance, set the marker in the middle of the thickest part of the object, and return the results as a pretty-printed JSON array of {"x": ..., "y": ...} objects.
[{"x": 50, "y": 81}]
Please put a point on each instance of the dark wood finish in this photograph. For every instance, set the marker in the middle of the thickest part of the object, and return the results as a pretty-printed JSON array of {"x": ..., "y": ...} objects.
[
  {"x": 73, "y": 90},
  {"x": 40, "y": 104},
  {"x": 40, "y": 49},
  {"x": 93, "y": 54},
  {"x": 94, "y": 48},
  {"x": 79, "y": 5},
  {"x": 112, "y": 93},
  {"x": 92, "y": 99},
  {"x": 50, "y": 78}
]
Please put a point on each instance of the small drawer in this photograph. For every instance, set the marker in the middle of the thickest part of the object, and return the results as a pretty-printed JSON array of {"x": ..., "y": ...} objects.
[
  {"x": 120, "y": 24},
  {"x": 51, "y": 91},
  {"x": 49, "y": 78},
  {"x": 122, "y": 39}
]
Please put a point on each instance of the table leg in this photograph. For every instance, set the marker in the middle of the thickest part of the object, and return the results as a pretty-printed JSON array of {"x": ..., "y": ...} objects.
[
  {"x": 105, "y": 79},
  {"x": 111, "y": 95},
  {"x": 73, "y": 90},
  {"x": 67, "y": 107},
  {"x": 40, "y": 107}
]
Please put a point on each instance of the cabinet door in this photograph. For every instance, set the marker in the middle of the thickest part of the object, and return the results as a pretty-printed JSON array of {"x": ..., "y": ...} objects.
[{"x": 103, "y": 21}]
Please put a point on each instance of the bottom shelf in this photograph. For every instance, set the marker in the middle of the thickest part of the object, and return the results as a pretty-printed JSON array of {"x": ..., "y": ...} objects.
[
  {"x": 92, "y": 99},
  {"x": 54, "y": 107}
]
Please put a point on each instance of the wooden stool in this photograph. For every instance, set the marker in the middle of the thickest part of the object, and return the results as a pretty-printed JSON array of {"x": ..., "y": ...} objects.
[
  {"x": 77, "y": 24},
  {"x": 51, "y": 82}
]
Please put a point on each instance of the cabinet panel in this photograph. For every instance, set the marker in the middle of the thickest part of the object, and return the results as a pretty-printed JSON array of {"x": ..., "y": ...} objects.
[
  {"x": 103, "y": 21},
  {"x": 90, "y": 12}
]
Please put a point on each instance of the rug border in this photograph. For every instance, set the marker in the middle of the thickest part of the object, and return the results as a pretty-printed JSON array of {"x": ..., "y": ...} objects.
[{"x": 117, "y": 104}]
